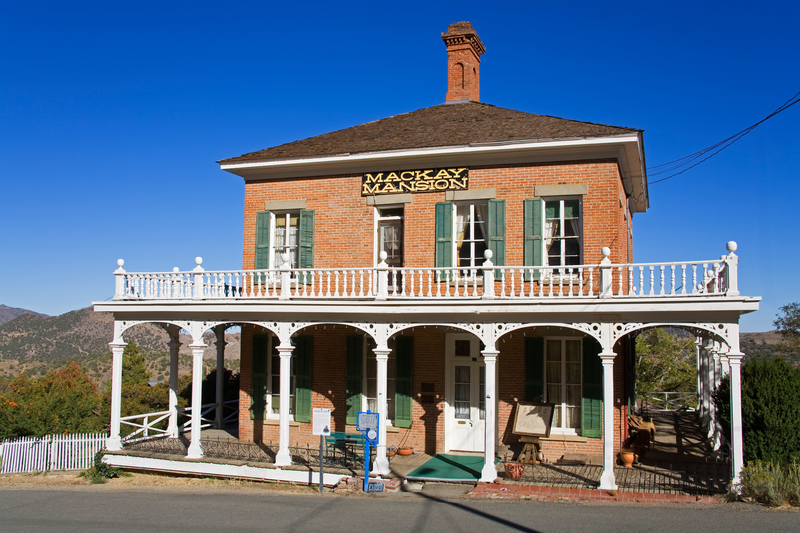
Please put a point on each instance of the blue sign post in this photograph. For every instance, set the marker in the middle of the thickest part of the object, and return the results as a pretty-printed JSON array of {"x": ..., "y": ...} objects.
[{"x": 367, "y": 423}]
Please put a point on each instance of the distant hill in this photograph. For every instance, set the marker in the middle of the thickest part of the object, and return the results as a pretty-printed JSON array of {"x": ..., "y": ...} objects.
[
  {"x": 764, "y": 345},
  {"x": 84, "y": 332},
  {"x": 8, "y": 314}
]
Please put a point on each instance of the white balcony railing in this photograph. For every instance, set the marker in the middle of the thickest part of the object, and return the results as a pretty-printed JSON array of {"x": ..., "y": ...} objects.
[{"x": 606, "y": 280}]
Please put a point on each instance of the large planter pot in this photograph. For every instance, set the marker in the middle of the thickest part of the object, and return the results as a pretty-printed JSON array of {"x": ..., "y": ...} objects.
[
  {"x": 514, "y": 470},
  {"x": 627, "y": 456},
  {"x": 405, "y": 450}
]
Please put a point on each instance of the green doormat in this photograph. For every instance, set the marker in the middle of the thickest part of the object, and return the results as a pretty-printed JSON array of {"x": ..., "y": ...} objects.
[{"x": 447, "y": 467}]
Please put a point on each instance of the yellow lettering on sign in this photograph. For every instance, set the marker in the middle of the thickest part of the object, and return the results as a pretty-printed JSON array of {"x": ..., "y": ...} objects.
[
  {"x": 378, "y": 178},
  {"x": 407, "y": 175},
  {"x": 458, "y": 171},
  {"x": 424, "y": 174},
  {"x": 388, "y": 187},
  {"x": 366, "y": 189},
  {"x": 422, "y": 185},
  {"x": 392, "y": 177},
  {"x": 458, "y": 184},
  {"x": 443, "y": 174},
  {"x": 405, "y": 186},
  {"x": 441, "y": 185}
]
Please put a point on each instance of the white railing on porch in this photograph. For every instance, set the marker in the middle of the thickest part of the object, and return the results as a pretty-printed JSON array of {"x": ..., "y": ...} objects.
[
  {"x": 668, "y": 400},
  {"x": 605, "y": 280},
  {"x": 147, "y": 424},
  {"x": 53, "y": 452}
]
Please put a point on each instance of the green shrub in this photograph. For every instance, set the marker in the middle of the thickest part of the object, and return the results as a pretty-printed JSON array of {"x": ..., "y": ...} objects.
[
  {"x": 770, "y": 410},
  {"x": 771, "y": 484},
  {"x": 102, "y": 471}
]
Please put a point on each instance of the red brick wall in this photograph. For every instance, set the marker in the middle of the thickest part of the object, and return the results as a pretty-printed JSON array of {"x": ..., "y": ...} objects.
[
  {"x": 427, "y": 431},
  {"x": 344, "y": 223}
]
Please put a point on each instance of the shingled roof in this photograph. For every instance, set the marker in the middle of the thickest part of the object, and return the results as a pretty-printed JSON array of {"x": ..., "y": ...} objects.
[{"x": 454, "y": 124}]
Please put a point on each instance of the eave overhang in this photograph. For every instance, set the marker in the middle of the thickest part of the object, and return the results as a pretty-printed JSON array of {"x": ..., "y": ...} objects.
[
  {"x": 552, "y": 312},
  {"x": 627, "y": 149}
]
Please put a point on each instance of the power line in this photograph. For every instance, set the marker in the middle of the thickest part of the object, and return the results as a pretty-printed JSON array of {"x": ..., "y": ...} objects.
[{"x": 714, "y": 149}]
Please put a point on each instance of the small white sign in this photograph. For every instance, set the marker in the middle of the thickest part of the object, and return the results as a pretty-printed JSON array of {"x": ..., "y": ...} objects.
[{"x": 322, "y": 422}]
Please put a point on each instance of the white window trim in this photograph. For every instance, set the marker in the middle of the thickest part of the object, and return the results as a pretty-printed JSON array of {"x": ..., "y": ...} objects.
[
  {"x": 273, "y": 234},
  {"x": 554, "y": 430},
  {"x": 454, "y": 231},
  {"x": 545, "y": 256}
]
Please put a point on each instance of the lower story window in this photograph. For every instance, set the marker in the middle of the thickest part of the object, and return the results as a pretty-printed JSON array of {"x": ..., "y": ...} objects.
[{"x": 563, "y": 371}]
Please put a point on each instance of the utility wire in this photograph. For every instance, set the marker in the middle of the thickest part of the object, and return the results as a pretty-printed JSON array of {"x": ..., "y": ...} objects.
[{"x": 714, "y": 149}]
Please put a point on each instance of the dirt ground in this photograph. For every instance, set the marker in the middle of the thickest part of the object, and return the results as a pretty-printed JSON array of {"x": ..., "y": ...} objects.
[{"x": 136, "y": 481}]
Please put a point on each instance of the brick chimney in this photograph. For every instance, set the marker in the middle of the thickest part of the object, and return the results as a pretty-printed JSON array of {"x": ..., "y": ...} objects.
[{"x": 464, "y": 50}]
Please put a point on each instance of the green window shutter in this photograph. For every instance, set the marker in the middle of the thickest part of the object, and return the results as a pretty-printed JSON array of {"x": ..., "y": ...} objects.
[
  {"x": 355, "y": 360},
  {"x": 532, "y": 247},
  {"x": 303, "y": 349},
  {"x": 263, "y": 219},
  {"x": 497, "y": 231},
  {"x": 534, "y": 368},
  {"x": 444, "y": 234},
  {"x": 305, "y": 245},
  {"x": 592, "y": 407},
  {"x": 403, "y": 404},
  {"x": 260, "y": 361}
]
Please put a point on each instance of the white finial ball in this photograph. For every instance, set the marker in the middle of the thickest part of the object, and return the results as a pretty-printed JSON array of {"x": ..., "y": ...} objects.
[
  {"x": 176, "y": 269},
  {"x": 606, "y": 251},
  {"x": 487, "y": 254},
  {"x": 198, "y": 261},
  {"x": 286, "y": 257},
  {"x": 731, "y": 246},
  {"x": 120, "y": 262},
  {"x": 383, "y": 255}
]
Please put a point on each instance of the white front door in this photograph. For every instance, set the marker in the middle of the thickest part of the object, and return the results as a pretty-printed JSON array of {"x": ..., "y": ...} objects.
[{"x": 466, "y": 380}]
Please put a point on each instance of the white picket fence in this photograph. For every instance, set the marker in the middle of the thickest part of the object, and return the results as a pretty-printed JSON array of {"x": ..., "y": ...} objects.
[{"x": 53, "y": 452}]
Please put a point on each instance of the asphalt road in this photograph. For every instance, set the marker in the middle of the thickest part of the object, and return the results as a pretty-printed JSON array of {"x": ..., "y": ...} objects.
[{"x": 174, "y": 511}]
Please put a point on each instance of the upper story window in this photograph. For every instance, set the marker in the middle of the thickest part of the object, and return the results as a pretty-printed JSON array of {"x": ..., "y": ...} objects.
[
  {"x": 465, "y": 230},
  {"x": 562, "y": 232},
  {"x": 284, "y": 232},
  {"x": 469, "y": 228}
]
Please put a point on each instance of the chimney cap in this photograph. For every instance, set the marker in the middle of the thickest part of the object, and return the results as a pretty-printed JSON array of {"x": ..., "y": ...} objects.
[{"x": 459, "y": 32}]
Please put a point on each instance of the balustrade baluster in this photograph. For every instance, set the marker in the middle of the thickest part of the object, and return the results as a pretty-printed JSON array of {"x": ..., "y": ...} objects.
[
  {"x": 683, "y": 278},
  {"x": 663, "y": 279},
  {"x": 672, "y": 283},
  {"x": 591, "y": 281},
  {"x": 620, "y": 291},
  {"x": 694, "y": 278},
  {"x": 652, "y": 281}
]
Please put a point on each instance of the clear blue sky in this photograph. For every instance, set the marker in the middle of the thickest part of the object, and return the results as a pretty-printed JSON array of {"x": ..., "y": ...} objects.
[{"x": 112, "y": 116}]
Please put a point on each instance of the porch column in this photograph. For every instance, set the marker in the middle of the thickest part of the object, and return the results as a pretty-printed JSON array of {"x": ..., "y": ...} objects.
[
  {"x": 489, "y": 472},
  {"x": 700, "y": 389},
  {"x": 381, "y": 466},
  {"x": 608, "y": 481},
  {"x": 716, "y": 441},
  {"x": 114, "y": 443},
  {"x": 174, "y": 347},
  {"x": 219, "y": 331},
  {"x": 284, "y": 456},
  {"x": 195, "y": 450},
  {"x": 737, "y": 452},
  {"x": 703, "y": 374}
]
